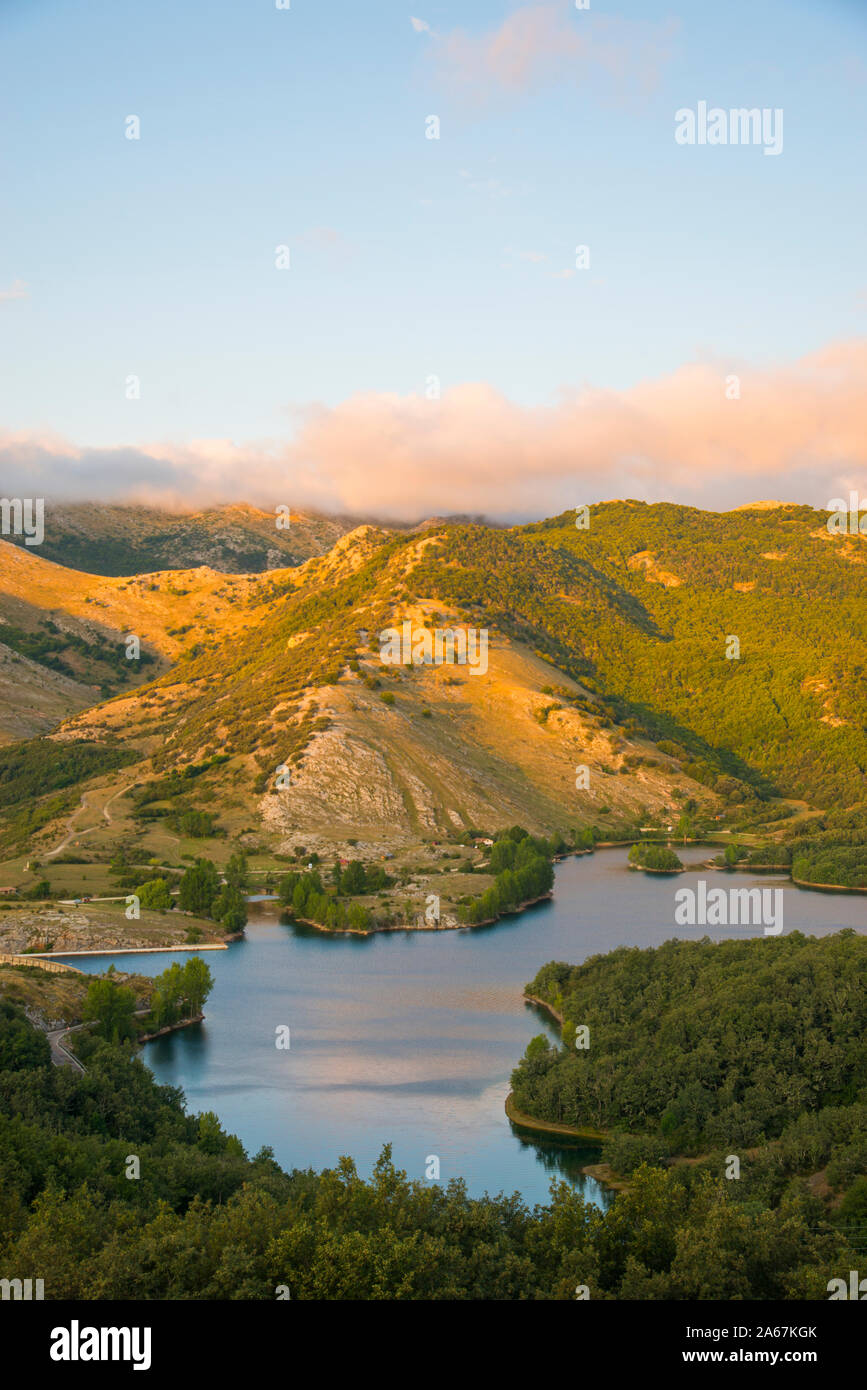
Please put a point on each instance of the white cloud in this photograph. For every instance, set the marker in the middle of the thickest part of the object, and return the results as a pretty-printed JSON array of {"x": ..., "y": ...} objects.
[
  {"x": 797, "y": 433},
  {"x": 17, "y": 290}
]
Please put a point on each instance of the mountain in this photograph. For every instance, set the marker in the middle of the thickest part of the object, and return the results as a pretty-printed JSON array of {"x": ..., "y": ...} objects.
[
  {"x": 63, "y": 633},
  {"x": 236, "y": 539},
  {"x": 376, "y": 751},
  {"x": 678, "y": 656}
]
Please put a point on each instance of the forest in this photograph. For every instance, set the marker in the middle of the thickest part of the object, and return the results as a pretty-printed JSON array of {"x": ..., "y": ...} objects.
[
  {"x": 239, "y": 1227},
  {"x": 704, "y": 1044}
]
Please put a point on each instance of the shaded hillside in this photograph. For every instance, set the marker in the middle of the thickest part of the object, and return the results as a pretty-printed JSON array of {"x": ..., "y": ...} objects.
[
  {"x": 237, "y": 539},
  {"x": 789, "y": 711},
  {"x": 704, "y": 1043}
]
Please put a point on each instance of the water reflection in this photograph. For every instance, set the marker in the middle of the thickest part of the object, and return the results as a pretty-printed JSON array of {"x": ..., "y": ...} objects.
[{"x": 409, "y": 1037}]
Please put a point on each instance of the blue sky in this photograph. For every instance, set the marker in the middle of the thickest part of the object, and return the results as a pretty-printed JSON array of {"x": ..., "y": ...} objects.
[{"x": 410, "y": 256}]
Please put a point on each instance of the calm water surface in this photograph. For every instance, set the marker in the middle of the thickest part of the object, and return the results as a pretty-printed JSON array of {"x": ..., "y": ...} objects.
[{"x": 409, "y": 1038}]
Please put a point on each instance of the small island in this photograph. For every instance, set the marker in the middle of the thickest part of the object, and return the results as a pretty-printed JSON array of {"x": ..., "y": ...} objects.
[{"x": 655, "y": 859}]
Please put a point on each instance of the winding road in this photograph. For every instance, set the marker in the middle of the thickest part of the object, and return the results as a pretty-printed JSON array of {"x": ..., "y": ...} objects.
[
  {"x": 71, "y": 833},
  {"x": 60, "y": 1055}
]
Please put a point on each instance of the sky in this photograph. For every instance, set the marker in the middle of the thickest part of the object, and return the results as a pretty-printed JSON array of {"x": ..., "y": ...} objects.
[{"x": 436, "y": 342}]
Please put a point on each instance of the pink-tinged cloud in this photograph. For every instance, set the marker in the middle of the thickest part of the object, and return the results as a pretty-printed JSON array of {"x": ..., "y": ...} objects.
[
  {"x": 540, "y": 44},
  {"x": 797, "y": 432}
]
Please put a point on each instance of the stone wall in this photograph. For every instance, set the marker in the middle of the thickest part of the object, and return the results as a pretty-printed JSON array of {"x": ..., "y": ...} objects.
[{"x": 54, "y": 966}]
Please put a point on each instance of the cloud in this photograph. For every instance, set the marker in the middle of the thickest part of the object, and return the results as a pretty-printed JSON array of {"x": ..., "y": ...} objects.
[
  {"x": 541, "y": 44},
  {"x": 797, "y": 433},
  {"x": 17, "y": 290},
  {"x": 489, "y": 185},
  {"x": 534, "y": 257},
  {"x": 420, "y": 26},
  {"x": 322, "y": 236}
]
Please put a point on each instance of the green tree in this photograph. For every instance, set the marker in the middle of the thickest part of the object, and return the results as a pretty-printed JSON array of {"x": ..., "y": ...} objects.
[
  {"x": 353, "y": 879},
  {"x": 154, "y": 895},
  {"x": 167, "y": 995},
  {"x": 684, "y": 828},
  {"x": 111, "y": 1007},
  {"x": 229, "y": 908},
  {"x": 198, "y": 888},
  {"x": 21, "y": 1046},
  {"x": 237, "y": 874},
  {"x": 197, "y": 983}
]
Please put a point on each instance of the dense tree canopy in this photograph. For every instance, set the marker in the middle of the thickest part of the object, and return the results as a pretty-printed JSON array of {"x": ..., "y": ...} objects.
[
  {"x": 237, "y": 1228},
  {"x": 705, "y": 1043}
]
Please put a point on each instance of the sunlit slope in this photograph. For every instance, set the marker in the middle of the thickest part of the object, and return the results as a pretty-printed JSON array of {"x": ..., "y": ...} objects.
[
  {"x": 607, "y": 651},
  {"x": 63, "y": 632},
  {"x": 378, "y": 749}
]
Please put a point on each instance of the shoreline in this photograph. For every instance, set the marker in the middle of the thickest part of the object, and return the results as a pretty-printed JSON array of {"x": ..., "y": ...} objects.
[
  {"x": 826, "y": 887},
  {"x": 592, "y": 1137},
  {"x": 170, "y": 1028},
  {"x": 543, "y": 1004}
]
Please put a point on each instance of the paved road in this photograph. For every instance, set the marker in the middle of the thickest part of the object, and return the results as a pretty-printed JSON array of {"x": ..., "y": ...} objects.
[{"x": 60, "y": 1055}]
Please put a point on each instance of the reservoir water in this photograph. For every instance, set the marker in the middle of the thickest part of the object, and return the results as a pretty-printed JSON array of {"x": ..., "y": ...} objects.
[{"x": 409, "y": 1037}]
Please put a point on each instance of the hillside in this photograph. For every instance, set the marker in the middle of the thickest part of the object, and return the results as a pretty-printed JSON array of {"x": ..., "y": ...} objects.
[
  {"x": 607, "y": 652},
  {"x": 235, "y": 539},
  {"x": 380, "y": 752},
  {"x": 63, "y": 632}
]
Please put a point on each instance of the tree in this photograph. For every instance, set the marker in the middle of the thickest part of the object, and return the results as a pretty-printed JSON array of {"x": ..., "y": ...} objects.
[
  {"x": 199, "y": 886},
  {"x": 236, "y": 874},
  {"x": 167, "y": 995},
  {"x": 353, "y": 878},
  {"x": 154, "y": 895},
  {"x": 21, "y": 1046},
  {"x": 111, "y": 1007},
  {"x": 229, "y": 908},
  {"x": 42, "y": 889},
  {"x": 684, "y": 827},
  {"x": 537, "y": 1047},
  {"x": 197, "y": 984}
]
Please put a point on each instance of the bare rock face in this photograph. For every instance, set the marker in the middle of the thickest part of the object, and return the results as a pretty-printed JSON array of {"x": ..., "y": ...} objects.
[
  {"x": 342, "y": 779},
  {"x": 38, "y": 930}
]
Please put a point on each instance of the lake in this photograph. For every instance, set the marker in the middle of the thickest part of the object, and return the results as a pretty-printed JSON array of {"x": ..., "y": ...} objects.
[{"x": 409, "y": 1037}]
